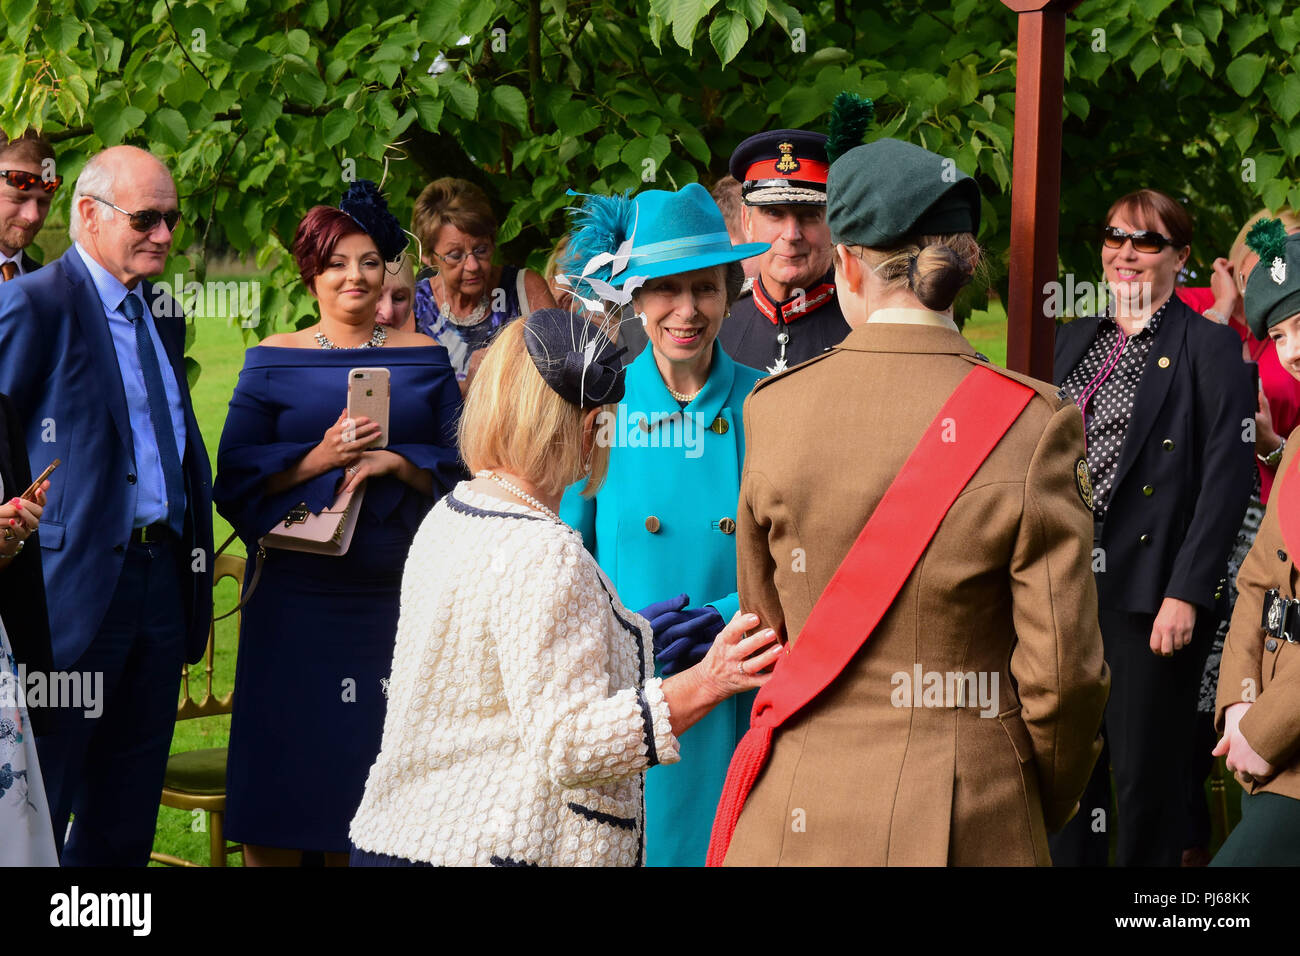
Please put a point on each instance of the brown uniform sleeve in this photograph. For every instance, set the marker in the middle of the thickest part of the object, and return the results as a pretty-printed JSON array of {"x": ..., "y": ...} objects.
[
  {"x": 1239, "y": 668},
  {"x": 755, "y": 568},
  {"x": 1272, "y": 724},
  {"x": 1057, "y": 661}
]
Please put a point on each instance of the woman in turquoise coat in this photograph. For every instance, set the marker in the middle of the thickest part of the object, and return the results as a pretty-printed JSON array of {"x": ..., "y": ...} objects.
[{"x": 663, "y": 522}]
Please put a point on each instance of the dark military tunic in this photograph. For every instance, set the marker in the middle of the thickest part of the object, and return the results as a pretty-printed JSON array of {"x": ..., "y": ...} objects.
[{"x": 813, "y": 325}]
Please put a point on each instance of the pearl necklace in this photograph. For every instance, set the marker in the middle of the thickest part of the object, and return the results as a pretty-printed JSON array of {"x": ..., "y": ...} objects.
[
  {"x": 518, "y": 493},
  {"x": 685, "y": 399},
  {"x": 376, "y": 340}
]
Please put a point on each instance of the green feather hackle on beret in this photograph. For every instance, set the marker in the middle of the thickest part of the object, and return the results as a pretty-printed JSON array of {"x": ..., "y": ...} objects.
[
  {"x": 850, "y": 116},
  {"x": 1273, "y": 288},
  {"x": 1267, "y": 239}
]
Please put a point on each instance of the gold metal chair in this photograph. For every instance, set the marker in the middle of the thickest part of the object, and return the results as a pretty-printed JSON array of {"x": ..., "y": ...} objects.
[{"x": 196, "y": 779}]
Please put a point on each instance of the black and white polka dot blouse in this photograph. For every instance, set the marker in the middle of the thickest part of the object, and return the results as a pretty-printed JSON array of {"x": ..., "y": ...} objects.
[{"x": 1104, "y": 385}]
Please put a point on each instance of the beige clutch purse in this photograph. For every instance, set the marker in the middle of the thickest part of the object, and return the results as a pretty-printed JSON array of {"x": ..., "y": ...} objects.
[{"x": 328, "y": 533}]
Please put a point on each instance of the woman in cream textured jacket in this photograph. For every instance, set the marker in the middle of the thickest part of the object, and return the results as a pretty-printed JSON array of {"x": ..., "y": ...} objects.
[{"x": 522, "y": 705}]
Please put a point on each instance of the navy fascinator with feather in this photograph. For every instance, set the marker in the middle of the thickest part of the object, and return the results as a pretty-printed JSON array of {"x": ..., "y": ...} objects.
[
  {"x": 575, "y": 357},
  {"x": 368, "y": 208}
]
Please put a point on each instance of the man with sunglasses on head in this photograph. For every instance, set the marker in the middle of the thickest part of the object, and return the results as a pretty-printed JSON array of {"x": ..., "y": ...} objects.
[
  {"x": 92, "y": 355},
  {"x": 27, "y": 185}
]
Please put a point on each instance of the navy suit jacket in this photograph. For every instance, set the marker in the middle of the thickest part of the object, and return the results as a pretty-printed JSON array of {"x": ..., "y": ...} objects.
[
  {"x": 1187, "y": 466},
  {"x": 58, "y": 366}
]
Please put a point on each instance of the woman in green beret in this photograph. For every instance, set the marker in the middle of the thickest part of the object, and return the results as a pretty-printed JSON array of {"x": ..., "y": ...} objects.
[
  {"x": 1258, "y": 704},
  {"x": 946, "y": 713}
]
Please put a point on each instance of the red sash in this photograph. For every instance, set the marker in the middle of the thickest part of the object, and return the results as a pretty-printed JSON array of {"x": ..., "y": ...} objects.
[{"x": 979, "y": 412}]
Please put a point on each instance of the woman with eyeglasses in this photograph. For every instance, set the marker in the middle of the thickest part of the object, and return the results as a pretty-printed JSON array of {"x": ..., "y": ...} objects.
[
  {"x": 1168, "y": 409},
  {"x": 465, "y": 299}
]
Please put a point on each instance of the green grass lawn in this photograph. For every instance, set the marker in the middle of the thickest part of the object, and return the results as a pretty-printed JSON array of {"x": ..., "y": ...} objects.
[{"x": 219, "y": 349}]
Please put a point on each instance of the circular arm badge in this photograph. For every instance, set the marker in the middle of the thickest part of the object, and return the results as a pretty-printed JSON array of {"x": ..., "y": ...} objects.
[{"x": 1083, "y": 481}]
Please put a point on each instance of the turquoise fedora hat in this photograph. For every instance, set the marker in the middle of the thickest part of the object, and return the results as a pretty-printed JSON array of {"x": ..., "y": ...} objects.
[{"x": 678, "y": 232}]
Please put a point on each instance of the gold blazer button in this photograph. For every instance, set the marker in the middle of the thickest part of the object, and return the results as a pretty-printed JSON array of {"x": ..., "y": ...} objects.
[
  {"x": 727, "y": 526},
  {"x": 719, "y": 425},
  {"x": 1164, "y": 361},
  {"x": 652, "y": 524}
]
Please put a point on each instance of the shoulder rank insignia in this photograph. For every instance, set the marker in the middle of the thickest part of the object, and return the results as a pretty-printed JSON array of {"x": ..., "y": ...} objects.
[
  {"x": 787, "y": 163},
  {"x": 1083, "y": 481}
]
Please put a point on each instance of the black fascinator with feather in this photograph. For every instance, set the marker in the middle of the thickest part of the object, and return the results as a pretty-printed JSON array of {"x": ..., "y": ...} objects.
[
  {"x": 368, "y": 208},
  {"x": 575, "y": 357}
]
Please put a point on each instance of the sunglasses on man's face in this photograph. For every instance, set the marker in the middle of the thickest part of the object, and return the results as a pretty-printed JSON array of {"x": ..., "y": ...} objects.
[
  {"x": 1143, "y": 241},
  {"x": 22, "y": 179},
  {"x": 146, "y": 220}
]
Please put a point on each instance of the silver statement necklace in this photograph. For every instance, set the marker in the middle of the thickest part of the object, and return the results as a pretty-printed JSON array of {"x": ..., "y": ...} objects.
[
  {"x": 518, "y": 493},
  {"x": 376, "y": 340},
  {"x": 473, "y": 317}
]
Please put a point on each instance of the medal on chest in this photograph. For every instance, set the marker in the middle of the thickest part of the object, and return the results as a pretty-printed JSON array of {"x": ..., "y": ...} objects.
[{"x": 782, "y": 338}]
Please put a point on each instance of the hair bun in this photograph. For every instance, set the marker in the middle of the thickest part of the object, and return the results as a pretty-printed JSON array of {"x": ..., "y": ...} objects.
[
  {"x": 366, "y": 205},
  {"x": 936, "y": 274}
]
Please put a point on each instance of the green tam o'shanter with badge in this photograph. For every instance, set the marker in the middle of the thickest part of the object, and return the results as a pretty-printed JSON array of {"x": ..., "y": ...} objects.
[
  {"x": 885, "y": 192},
  {"x": 1273, "y": 289}
]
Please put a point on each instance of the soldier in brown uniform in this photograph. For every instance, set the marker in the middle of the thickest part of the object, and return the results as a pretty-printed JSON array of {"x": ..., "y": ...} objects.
[
  {"x": 964, "y": 722},
  {"x": 1258, "y": 703}
]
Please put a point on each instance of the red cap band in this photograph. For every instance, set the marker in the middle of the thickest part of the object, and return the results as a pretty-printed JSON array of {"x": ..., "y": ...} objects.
[{"x": 809, "y": 170}]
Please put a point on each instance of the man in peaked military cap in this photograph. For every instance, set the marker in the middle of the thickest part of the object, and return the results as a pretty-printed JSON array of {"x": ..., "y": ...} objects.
[
  {"x": 792, "y": 314},
  {"x": 927, "y": 557}
]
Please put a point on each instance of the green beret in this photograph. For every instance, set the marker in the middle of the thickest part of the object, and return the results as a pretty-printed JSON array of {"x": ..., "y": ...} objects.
[
  {"x": 1273, "y": 289},
  {"x": 882, "y": 193}
]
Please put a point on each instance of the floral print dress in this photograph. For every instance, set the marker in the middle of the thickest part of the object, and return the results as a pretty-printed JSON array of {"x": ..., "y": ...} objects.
[{"x": 26, "y": 836}]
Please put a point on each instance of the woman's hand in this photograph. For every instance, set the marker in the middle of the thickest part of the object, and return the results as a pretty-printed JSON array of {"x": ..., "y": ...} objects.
[
  {"x": 1223, "y": 284},
  {"x": 381, "y": 462},
  {"x": 1172, "y": 630},
  {"x": 344, "y": 441},
  {"x": 343, "y": 444},
  {"x": 19, "y": 520},
  {"x": 1241, "y": 755},
  {"x": 371, "y": 464},
  {"x": 734, "y": 664},
  {"x": 1266, "y": 439}
]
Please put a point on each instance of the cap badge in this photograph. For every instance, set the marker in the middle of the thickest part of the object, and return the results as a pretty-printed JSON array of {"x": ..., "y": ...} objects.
[
  {"x": 787, "y": 163},
  {"x": 1276, "y": 272}
]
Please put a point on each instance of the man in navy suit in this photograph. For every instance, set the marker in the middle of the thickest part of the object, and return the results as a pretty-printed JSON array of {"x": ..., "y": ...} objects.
[
  {"x": 93, "y": 359},
  {"x": 27, "y": 185}
]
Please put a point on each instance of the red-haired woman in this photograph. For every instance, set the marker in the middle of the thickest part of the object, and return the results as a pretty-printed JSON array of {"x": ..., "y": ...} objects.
[{"x": 317, "y": 638}]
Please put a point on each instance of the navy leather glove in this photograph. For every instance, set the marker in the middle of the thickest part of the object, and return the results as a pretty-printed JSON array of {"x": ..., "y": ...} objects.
[
  {"x": 682, "y": 636},
  {"x": 659, "y": 608}
]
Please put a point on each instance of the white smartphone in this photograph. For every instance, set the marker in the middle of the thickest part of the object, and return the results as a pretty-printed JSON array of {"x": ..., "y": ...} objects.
[{"x": 368, "y": 396}]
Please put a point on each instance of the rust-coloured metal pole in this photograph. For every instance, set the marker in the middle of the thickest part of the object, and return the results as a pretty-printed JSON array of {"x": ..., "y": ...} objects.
[{"x": 1035, "y": 181}]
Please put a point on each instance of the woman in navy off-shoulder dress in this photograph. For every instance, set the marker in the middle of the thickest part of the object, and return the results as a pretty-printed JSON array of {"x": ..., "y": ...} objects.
[{"x": 317, "y": 633}]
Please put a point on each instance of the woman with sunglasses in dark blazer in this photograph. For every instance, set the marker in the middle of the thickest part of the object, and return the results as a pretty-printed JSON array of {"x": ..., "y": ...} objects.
[{"x": 1168, "y": 408}]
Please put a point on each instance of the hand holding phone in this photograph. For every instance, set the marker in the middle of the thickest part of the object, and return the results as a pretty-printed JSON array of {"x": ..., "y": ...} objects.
[{"x": 35, "y": 486}]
